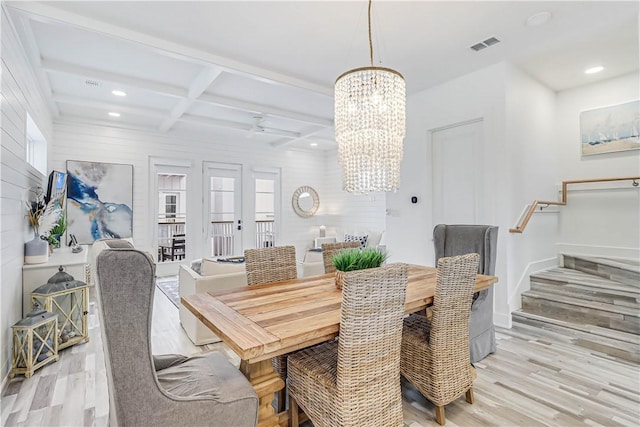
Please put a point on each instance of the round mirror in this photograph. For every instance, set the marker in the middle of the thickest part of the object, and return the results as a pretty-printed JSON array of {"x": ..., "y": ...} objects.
[{"x": 305, "y": 201}]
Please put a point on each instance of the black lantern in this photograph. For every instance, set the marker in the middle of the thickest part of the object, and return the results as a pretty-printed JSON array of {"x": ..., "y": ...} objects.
[{"x": 66, "y": 297}]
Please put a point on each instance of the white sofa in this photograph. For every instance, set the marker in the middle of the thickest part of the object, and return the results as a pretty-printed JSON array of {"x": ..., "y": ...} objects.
[{"x": 213, "y": 276}]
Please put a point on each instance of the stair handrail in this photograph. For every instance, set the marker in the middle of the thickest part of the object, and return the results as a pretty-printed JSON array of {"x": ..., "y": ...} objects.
[{"x": 529, "y": 213}]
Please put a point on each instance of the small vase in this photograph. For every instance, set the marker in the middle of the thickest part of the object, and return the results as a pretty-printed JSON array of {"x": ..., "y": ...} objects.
[
  {"x": 339, "y": 279},
  {"x": 36, "y": 250}
]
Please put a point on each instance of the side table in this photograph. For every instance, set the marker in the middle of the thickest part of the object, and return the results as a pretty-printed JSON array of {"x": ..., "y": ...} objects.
[{"x": 34, "y": 275}]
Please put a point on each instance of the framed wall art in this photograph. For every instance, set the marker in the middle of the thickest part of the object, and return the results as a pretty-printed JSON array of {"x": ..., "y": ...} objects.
[
  {"x": 610, "y": 129},
  {"x": 99, "y": 200}
]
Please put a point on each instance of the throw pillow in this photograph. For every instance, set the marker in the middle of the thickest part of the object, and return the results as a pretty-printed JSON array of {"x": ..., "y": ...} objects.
[
  {"x": 354, "y": 238},
  {"x": 196, "y": 265}
]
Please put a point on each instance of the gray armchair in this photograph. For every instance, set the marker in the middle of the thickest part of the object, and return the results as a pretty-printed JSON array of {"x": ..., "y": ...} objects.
[
  {"x": 167, "y": 390},
  {"x": 452, "y": 240}
]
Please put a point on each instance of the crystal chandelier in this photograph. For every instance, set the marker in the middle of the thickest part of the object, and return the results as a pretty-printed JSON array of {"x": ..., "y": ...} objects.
[{"x": 370, "y": 126}]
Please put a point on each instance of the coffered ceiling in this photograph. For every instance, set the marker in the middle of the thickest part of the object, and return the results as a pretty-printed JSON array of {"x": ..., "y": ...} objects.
[{"x": 265, "y": 70}]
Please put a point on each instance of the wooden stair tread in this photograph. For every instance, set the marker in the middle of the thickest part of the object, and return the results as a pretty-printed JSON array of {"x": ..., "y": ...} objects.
[
  {"x": 607, "y": 333},
  {"x": 622, "y": 263},
  {"x": 583, "y": 303},
  {"x": 618, "y": 348},
  {"x": 570, "y": 276},
  {"x": 588, "y": 293}
]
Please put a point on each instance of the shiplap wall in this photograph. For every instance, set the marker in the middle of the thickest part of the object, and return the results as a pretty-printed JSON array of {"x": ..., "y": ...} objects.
[
  {"x": 20, "y": 95},
  {"x": 114, "y": 145},
  {"x": 348, "y": 213}
]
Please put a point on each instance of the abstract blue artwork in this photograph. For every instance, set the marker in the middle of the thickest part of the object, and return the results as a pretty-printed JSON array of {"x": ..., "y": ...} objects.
[{"x": 99, "y": 200}]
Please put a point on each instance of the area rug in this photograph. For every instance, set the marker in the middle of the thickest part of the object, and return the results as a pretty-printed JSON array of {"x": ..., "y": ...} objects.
[{"x": 169, "y": 286}]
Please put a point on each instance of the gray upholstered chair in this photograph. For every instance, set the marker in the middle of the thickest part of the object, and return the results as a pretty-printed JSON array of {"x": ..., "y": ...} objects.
[
  {"x": 355, "y": 381},
  {"x": 452, "y": 240},
  {"x": 266, "y": 265},
  {"x": 435, "y": 354},
  {"x": 169, "y": 390}
]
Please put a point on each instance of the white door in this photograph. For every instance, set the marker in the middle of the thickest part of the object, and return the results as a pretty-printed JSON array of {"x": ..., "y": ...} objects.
[
  {"x": 223, "y": 205},
  {"x": 457, "y": 175}
]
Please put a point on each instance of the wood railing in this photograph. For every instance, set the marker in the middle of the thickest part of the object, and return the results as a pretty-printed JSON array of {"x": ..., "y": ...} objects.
[{"x": 524, "y": 220}]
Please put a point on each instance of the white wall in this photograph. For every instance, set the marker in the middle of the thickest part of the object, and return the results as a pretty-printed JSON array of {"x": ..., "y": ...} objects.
[
  {"x": 341, "y": 211},
  {"x": 345, "y": 212},
  {"x": 518, "y": 163},
  {"x": 113, "y": 145},
  {"x": 596, "y": 221},
  {"x": 531, "y": 139},
  {"x": 532, "y": 173},
  {"x": 19, "y": 95}
]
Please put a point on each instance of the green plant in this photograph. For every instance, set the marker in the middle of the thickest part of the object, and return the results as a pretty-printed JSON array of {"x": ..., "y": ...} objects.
[
  {"x": 356, "y": 259},
  {"x": 58, "y": 230}
]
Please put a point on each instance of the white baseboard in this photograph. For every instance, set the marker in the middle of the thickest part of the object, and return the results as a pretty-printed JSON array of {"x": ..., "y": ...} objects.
[
  {"x": 502, "y": 320},
  {"x": 601, "y": 251},
  {"x": 515, "y": 302}
]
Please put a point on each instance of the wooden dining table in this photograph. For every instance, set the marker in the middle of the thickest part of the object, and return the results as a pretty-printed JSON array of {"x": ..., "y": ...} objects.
[{"x": 259, "y": 322}]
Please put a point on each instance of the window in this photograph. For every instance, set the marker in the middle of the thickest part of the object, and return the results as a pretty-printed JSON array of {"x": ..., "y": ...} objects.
[
  {"x": 36, "y": 147},
  {"x": 172, "y": 216},
  {"x": 170, "y": 206}
]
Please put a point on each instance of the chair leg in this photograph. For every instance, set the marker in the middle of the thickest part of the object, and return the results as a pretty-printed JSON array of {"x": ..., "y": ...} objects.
[
  {"x": 469, "y": 396},
  {"x": 293, "y": 412},
  {"x": 440, "y": 419},
  {"x": 282, "y": 397}
]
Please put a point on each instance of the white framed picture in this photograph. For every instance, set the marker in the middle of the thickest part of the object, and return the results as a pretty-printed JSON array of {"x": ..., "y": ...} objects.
[{"x": 610, "y": 129}]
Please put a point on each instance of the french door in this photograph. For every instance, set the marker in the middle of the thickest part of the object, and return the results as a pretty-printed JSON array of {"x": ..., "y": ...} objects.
[{"x": 223, "y": 209}]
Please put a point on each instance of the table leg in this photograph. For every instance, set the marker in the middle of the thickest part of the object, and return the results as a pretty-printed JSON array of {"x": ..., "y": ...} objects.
[{"x": 266, "y": 382}]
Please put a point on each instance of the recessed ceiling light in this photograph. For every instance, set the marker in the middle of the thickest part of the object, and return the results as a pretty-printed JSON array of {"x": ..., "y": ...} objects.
[
  {"x": 594, "y": 70},
  {"x": 112, "y": 114},
  {"x": 314, "y": 144},
  {"x": 538, "y": 19},
  {"x": 119, "y": 93}
]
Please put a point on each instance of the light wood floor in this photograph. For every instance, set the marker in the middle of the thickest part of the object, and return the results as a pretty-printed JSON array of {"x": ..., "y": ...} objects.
[{"x": 536, "y": 378}]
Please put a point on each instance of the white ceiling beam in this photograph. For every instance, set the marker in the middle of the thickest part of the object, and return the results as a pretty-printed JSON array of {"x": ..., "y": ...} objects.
[
  {"x": 207, "y": 121},
  {"x": 50, "y": 14},
  {"x": 33, "y": 52},
  {"x": 197, "y": 88},
  {"x": 261, "y": 109},
  {"x": 73, "y": 120},
  {"x": 107, "y": 107},
  {"x": 53, "y": 66}
]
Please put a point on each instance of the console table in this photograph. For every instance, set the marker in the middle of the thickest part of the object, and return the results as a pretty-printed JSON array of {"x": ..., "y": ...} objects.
[{"x": 34, "y": 275}]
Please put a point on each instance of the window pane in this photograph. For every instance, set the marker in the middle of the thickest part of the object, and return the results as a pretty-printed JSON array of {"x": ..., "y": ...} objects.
[{"x": 171, "y": 216}]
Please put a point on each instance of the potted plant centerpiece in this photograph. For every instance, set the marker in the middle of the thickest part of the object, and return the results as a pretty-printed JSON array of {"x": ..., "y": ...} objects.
[{"x": 356, "y": 259}]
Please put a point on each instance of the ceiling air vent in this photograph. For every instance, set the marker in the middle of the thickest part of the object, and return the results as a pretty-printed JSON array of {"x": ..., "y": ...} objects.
[
  {"x": 484, "y": 44},
  {"x": 92, "y": 83}
]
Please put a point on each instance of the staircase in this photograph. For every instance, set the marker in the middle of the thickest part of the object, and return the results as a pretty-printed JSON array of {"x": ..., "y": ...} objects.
[{"x": 594, "y": 301}]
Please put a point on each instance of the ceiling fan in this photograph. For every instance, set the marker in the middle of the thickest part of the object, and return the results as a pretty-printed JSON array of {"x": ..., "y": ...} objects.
[{"x": 259, "y": 127}]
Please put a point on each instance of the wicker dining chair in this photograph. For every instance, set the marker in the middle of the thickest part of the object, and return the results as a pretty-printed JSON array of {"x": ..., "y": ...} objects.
[
  {"x": 330, "y": 249},
  {"x": 355, "y": 381},
  {"x": 435, "y": 352},
  {"x": 268, "y": 265}
]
